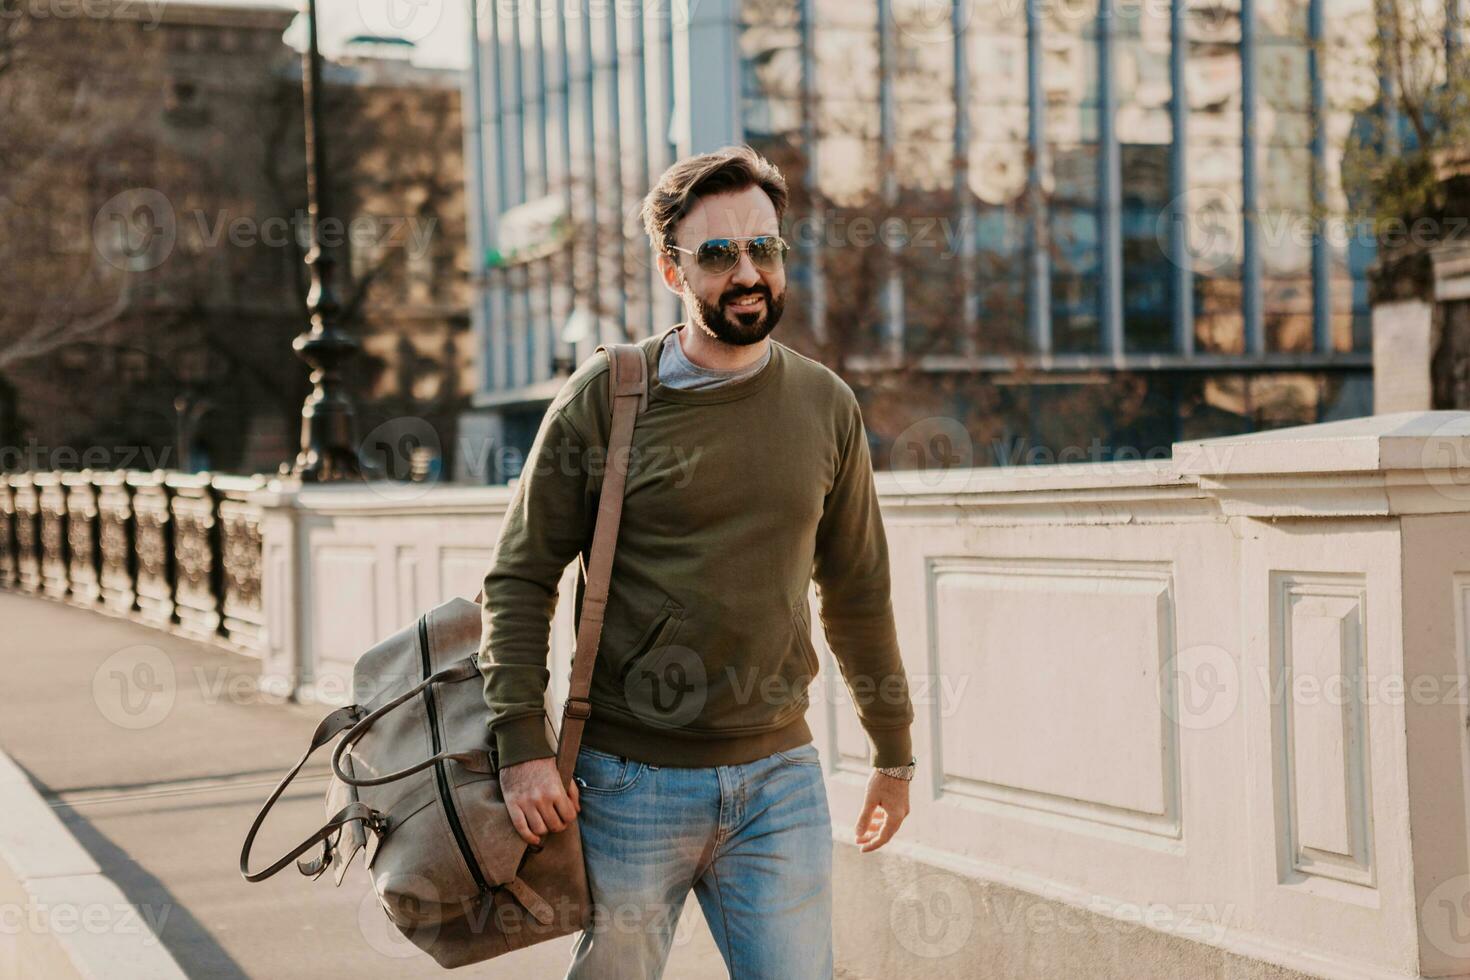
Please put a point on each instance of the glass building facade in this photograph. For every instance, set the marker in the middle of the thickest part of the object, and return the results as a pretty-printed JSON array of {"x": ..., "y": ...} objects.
[{"x": 1094, "y": 224}]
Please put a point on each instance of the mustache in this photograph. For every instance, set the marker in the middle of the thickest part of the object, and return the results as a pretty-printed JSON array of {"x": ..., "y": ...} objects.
[{"x": 730, "y": 295}]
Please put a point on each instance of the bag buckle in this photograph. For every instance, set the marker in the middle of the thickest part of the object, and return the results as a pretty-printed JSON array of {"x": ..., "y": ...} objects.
[{"x": 579, "y": 708}]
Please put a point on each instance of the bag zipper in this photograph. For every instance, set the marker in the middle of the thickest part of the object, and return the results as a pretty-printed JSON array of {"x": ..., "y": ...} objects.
[{"x": 441, "y": 775}]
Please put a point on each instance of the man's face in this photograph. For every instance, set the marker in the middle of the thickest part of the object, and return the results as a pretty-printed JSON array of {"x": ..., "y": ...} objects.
[{"x": 741, "y": 306}]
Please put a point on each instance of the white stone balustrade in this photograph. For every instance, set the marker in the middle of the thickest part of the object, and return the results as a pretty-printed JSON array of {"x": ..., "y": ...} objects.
[{"x": 1227, "y": 690}]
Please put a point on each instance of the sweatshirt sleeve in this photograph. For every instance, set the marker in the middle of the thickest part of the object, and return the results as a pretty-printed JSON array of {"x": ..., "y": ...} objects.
[
  {"x": 548, "y": 521},
  {"x": 851, "y": 571}
]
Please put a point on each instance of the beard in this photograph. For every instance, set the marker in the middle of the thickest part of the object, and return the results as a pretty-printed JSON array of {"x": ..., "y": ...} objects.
[{"x": 740, "y": 329}]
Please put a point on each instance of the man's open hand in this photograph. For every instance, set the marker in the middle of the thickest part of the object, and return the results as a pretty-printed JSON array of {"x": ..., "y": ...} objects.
[
  {"x": 886, "y": 805},
  {"x": 537, "y": 802}
]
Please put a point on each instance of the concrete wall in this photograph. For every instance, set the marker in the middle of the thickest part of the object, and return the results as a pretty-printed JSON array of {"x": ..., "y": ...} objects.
[{"x": 1197, "y": 717}]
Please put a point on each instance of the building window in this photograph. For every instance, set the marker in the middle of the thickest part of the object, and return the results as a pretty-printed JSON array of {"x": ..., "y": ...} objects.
[
  {"x": 183, "y": 104},
  {"x": 1141, "y": 73},
  {"x": 1213, "y": 223}
]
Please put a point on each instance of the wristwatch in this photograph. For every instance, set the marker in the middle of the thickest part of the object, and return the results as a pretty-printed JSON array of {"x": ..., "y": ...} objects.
[{"x": 900, "y": 772}]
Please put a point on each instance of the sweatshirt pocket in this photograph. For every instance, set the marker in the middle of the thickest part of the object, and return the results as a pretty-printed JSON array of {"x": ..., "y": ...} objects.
[
  {"x": 737, "y": 672},
  {"x": 802, "y": 622},
  {"x": 662, "y": 683},
  {"x": 658, "y": 634}
]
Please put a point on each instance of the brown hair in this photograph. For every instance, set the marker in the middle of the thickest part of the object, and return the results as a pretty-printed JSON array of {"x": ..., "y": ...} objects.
[{"x": 731, "y": 168}]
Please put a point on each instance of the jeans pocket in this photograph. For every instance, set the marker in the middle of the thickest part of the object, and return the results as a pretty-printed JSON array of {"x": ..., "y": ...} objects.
[
  {"x": 802, "y": 755},
  {"x": 603, "y": 773}
]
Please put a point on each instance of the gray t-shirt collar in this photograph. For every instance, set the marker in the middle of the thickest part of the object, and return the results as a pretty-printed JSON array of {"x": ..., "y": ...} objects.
[{"x": 675, "y": 370}]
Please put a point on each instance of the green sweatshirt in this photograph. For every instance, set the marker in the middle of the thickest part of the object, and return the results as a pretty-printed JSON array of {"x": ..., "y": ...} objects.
[{"x": 737, "y": 498}]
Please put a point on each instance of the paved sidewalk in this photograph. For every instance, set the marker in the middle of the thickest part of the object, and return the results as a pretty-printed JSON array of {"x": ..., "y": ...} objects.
[{"x": 157, "y": 754}]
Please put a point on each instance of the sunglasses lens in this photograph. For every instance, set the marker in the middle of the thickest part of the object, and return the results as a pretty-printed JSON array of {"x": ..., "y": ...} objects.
[
  {"x": 718, "y": 255},
  {"x": 767, "y": 252}
]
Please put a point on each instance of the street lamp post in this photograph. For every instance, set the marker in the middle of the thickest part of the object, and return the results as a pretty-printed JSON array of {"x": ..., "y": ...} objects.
[{"x": 328, "y": 424}]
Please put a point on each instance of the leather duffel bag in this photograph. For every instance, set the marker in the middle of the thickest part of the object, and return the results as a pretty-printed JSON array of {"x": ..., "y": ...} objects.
[{"x": 415, "y": 788}]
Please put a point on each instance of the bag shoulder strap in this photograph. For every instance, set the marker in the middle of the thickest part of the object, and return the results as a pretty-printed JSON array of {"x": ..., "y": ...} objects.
[{"x": 628, "y": 392}]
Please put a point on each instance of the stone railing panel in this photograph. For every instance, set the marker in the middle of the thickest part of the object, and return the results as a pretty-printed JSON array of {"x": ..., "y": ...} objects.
[
  {"x": 195, "y": 547},
  {"x": 27, "y": 511},
  {"x": 153, "y": 540},
  {"x": 7, "y": 535},
  {"x": 175, "y": 550},
  {"x": 81, "y": 537},
  {"x": 55, "y": 580},
  {"x": 241, "y": 607},
  {"x": 119, "y": 561}
]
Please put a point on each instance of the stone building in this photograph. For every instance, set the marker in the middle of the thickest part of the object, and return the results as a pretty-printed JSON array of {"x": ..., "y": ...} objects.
[
  {"x": 154, "y": 199},
  {"x": 1107, "y": 226}
]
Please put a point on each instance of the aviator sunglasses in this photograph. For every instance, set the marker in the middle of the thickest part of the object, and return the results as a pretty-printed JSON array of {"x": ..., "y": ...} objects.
[{"x": 720, "y": 255}]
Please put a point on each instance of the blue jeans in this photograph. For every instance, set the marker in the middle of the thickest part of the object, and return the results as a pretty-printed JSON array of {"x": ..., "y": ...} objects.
[{"x": 754, "y": 841}]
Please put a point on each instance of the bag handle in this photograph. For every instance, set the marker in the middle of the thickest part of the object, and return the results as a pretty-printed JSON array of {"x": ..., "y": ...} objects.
[
  {"x": 477, "y": 760},
  {"x": 352, "y": 719},
  {"x": 330, "y": 726}
]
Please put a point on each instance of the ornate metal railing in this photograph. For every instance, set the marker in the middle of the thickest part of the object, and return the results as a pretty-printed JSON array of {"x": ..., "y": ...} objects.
[{"x": 176, "y": 550}]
